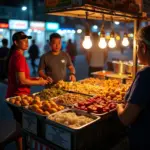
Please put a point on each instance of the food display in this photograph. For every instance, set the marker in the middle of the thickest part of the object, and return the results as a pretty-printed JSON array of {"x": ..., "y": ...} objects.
[
  {"x": 93, "y": 81},
  {"x": 110, "y": 89},
  {"x": 97, "y": 105},
  {"x": 71, "y": 119},
  {"x": 23, "y": 100},
  {"x": 47, "y": 94},
  {"x": 97, "y": 81},
  {"x": 79, "y": 87},
  {"x": 35, "y": 104},
  {"x": 45, "y": 107},
  {"x": 70, "y": 99}
]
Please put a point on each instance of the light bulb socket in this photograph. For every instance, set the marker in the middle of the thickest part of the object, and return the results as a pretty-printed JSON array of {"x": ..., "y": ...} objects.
[
  {"x": 126, "y": 35},
  {"x": 102, "y": 33},
  {"x": 112, "y": 34},
  {"x": 87, "y": 30}
]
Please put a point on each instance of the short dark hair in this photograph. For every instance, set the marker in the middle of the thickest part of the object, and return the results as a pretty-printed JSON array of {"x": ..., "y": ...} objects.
[
  {"x": 54, "y": 35},
  {"x": 4, "y": 41},
  {"x": 144, "y": 35}
]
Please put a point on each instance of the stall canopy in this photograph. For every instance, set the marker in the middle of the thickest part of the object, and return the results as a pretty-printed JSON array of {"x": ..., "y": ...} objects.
[
  {"x": 125, "y": 11},
  {"x": 76, "y": 8}
]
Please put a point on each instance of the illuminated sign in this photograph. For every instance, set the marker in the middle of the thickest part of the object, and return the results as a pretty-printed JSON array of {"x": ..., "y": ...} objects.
[
  {"x": 51, "y": 26},
  {"x": 18, "y": 24},
  {"x": 37, "y": 25},
  {"x": 4, "y": 25}
]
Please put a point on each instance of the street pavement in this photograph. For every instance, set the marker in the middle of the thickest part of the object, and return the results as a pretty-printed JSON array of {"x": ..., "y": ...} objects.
[{"x": 81, "y": 71}]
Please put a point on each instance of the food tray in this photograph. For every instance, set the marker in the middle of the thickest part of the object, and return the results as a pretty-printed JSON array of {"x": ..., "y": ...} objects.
[
  {"x": 95, "y": 114},
  {"x": 26, "y": 110},
  {"x": 67, "y": 105},
  {"x": 77, "y": 111},
  {"x": 33, "y": 122},
  {"x": 90, "y": 95},
  {"x": 35, "y": 93},
  {"x": 14, "y": 105},
  {"x": 73, "y": 139}
]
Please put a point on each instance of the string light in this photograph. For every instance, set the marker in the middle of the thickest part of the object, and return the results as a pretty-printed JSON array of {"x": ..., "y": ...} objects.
[
  {"x": 102, "y": 42},
  {"x": 125, "y": 41},
  {"x": 87, "y": 43},
  {"x": 112, "y": 41}
]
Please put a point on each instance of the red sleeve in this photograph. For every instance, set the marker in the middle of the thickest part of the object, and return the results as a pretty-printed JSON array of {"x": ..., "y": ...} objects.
[{"x": 20, "y": 64}]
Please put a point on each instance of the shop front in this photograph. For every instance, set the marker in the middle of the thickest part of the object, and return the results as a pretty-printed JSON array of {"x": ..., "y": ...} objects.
[
  {"x": 51, "y": 27},
  {"x": 4, "y": 32},
  {"x": 37, "y": 31},
  {"x": 66, "y": 34}
]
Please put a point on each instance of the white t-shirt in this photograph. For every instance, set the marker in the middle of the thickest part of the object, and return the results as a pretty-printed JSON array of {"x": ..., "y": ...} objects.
[{"x": 97, "y": 58}]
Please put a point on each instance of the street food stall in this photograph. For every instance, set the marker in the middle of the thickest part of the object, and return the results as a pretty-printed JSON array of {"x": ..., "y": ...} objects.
[{"x": 79, "y": 115}]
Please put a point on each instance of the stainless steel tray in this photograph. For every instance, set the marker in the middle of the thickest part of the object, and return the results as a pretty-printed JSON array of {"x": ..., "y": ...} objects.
[
  {"x": 8, "y": 99},
  {"x": 67, "y": 105},
  {"x": 79, "y": 93},
  {"x": 77, "y": 111},
  {"x": 96, "y": 114},
  {"x": 26, "y": 110}
]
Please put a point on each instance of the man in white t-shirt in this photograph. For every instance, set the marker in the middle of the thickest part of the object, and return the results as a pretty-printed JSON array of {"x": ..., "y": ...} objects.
[{"x": 96, "y": 57}]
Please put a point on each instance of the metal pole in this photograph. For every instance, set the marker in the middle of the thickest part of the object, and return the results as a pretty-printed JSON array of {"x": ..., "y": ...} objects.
[{"x": 136, "y": 27}]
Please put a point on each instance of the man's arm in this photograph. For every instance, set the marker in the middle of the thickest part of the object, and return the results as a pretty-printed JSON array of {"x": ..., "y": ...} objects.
[
  {"x": 72, "y": 69},
  {"x": 41, "y": 69},
  {"x": 42, "y": 74},
  {"x": 127, "y": 115}
]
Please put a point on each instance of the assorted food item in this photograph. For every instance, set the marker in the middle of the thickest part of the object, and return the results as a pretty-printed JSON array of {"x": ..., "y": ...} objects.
[
  {"x": 71, "y": 119},
  {"x": 70, "y": 99},
  {"x": 79, "y": 87},
  {"x": 23, "y": 100},
  {"x": 105, "y": 95},
  {"x": 110, "y": 89},
  {"x": 35, "y": 104},
  {"x": 45, "y": 107},
  {"x": 47, "y": 94},
  {"x": 97, "y": 105}
]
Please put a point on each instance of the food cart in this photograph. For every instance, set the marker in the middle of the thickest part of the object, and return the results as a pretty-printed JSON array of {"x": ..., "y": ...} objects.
[{"x": 94, "y": 100}]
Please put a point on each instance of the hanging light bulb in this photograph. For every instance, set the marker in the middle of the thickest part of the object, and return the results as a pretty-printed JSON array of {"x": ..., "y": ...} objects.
[
  {"x": 102, "y": 42},
  {"x": 112, "y": 41},
  {"x": 125, "y": 41},
  {"x": 87, "y": 43}
]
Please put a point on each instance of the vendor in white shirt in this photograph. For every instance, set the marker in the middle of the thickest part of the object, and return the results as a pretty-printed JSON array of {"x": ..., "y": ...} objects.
[{"x": 96, "y": 57}]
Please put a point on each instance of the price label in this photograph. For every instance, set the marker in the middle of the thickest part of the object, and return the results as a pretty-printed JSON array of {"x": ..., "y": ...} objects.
[
  {"x": 58, "y": 136},
  {"x": 29, "y": 123}
]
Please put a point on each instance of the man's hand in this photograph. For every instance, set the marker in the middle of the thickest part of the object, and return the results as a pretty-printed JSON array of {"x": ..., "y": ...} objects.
[
  {"x": 72, "y": 78},
  {"x": 49, "y": 79}
]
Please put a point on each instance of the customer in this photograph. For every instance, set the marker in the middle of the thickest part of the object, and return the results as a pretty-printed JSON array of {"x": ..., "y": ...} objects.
[
  {"x": 53, "y": 65},
  {"x": 136, "y": 112},
  {"x": 19, "y": 80},
  {"x": 34, "y": 54},
  {"x": 47, "y": 47},
  {"x": 96, "y": 57},
  {"x": 4, "y": 50}
]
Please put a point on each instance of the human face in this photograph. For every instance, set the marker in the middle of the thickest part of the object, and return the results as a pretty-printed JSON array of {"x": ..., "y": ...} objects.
[
  {"x": 22, "y": 44},
  {"x": 55, "y": 44}
]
